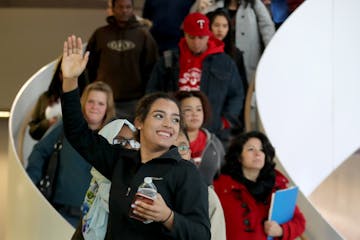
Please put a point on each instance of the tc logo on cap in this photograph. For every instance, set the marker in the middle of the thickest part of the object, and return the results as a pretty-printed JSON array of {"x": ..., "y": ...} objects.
[
  {"x": 201, "y": 22},
  {"x": 196, "y": 24}
]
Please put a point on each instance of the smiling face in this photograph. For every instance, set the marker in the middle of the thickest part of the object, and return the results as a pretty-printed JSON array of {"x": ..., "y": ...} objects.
[
  {"x": 252, "y": 156},
  {"x": 95, "y": 108},
  {"x": 193, "y": 113},
  {"x": 160, "y": 128},
  {"x": 220, "y": 27}
]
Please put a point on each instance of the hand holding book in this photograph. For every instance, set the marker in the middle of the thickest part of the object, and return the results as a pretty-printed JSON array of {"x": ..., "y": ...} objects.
[
  {"x": 282, "y": 207},
  {"x": 272, "y": 228}
]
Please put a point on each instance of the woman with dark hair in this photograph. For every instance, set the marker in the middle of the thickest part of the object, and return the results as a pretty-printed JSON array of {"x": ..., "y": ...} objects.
[
  {"x": 206, "y": 149},
  {"x": 244, "y": 187},
  {"x": 180, "y": 208},
  {"x": 253, "y": 28},
  {"x": 220, "y": 26}
]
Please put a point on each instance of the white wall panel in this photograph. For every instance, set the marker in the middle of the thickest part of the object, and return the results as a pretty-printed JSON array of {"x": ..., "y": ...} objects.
[
  {"x": 307, "y": 90},
  {"x": 294, "y": 93},
  {"x": 311, "y": 67},
  {"x": 346, "y": 74},
  {"x": 29, "y": 215}
]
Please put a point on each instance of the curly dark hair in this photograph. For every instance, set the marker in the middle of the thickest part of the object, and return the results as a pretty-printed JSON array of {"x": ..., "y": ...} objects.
[{"x": 233, "y": 166}]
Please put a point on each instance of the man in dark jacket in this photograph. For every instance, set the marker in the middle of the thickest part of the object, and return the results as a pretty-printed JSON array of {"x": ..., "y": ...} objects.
[
  {"x": 167, "y": 17},
  {"x": 201, "y": 64},
  {"x": 122, "y": 54}
]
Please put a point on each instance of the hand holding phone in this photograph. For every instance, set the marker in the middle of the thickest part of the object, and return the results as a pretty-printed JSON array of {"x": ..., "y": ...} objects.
[{"x": 143, "y": 198}]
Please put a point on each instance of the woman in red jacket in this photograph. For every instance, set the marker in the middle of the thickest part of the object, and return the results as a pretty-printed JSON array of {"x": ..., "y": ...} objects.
[{"x": 245, "y": 186}]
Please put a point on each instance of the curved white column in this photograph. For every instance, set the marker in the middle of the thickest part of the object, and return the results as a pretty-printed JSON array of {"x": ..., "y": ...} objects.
[
  {"x": 29, "y": 215},
  {"x": 307, "y": 90}
]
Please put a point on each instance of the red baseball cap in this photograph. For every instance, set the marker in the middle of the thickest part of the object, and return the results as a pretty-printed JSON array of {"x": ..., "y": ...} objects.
[{"x": 197, "y": 24}]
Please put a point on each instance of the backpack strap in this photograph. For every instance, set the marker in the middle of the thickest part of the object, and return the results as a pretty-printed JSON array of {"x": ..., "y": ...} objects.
[{"x": 48, "y": 182}]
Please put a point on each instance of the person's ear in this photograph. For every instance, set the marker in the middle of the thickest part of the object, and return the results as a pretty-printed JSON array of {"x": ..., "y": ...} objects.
[{"x": 138, "y": 124}]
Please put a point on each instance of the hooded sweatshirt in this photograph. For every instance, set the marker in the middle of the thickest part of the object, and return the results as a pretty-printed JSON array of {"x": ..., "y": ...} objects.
[
  {"x": 191, "y": 65},
  {"x": 123, "y": 57}
]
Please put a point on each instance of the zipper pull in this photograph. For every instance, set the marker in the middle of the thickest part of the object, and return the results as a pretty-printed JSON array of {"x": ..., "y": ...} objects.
[
  {"x": 128, "y": 191},
  {"x": 157, "y": 178}
]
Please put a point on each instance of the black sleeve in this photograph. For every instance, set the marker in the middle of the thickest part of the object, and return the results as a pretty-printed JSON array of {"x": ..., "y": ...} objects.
[
  {"x": 241, "y": 68},
  {"x": 191, "y": 210},
  {"x": 235, "y": 96},
  {"x": 155, "y": 81},
  {"x": 165, "y": 74}
]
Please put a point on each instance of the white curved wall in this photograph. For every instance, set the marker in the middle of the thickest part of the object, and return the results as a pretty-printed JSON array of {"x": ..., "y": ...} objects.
[
  {"x": 29, "y": 215},
  {"x": 308, "y": 89},
  {"x": 307, "y": 92}
]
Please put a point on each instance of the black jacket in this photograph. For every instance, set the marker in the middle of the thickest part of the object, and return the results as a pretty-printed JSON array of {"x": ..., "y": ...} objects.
[{"x": 180, "y": 183}]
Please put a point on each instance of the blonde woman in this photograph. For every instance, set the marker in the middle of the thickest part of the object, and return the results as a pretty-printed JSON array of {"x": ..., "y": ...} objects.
[{"x": 73, "y": 177}]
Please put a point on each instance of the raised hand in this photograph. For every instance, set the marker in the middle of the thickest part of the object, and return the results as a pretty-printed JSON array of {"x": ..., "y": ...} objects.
[{"x": 73, "y": 62}]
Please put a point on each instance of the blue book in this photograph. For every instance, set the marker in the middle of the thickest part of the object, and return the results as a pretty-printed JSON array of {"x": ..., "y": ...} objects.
[{"x": 282, "y": 206}]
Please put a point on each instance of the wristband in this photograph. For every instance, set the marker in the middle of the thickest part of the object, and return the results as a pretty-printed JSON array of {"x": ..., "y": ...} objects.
[{"x": 167, "y": 217}]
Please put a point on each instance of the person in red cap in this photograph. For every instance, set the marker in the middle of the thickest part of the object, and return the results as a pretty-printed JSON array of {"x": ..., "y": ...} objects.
[{"x": 201, "y": 64}]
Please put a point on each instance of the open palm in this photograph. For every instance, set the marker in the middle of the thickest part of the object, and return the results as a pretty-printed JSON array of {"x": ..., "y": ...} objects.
[{"x": 74, "y": 60}]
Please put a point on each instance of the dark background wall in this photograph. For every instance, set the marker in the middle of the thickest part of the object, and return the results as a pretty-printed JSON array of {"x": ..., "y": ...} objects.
[
  {"x": 54, "y": 3},
  {"x": 31, "y": 36}
]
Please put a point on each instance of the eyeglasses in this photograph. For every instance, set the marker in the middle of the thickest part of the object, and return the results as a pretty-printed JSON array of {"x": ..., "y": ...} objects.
[
  {"x": 183, "y": 149},
  {"x": 127, "y": 142}
]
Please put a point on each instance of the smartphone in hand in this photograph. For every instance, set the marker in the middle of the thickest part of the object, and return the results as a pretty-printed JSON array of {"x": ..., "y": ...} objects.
[{"x": 143, "y": 198}]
